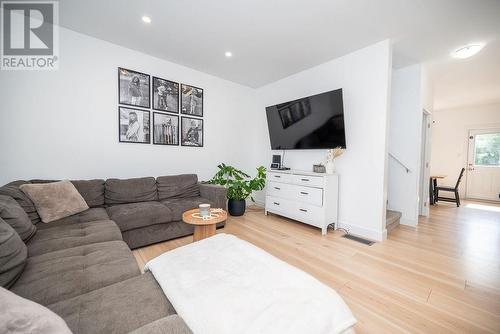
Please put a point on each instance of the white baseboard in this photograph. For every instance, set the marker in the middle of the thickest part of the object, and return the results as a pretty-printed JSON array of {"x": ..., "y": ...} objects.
[{"x": 364, "y": 232}]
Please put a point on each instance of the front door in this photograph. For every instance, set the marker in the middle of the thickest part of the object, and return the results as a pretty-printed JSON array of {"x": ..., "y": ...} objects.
[{"x": 483, "y": 172}]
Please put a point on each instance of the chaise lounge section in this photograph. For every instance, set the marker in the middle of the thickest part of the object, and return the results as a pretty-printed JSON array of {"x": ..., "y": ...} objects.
[{"x": 81, "y": 266}]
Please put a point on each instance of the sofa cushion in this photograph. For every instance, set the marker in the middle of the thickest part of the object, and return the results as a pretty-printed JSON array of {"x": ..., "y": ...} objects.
[
  {"x": 55, "y": 200},
  {"x": 130, "y": 190},
  {"x": 179, "y": 205},
  {"x": 19, "y": 315},
  {"x": 12, "y": 189},
  {"x": 92, "y": 191},
  {"x": 13, "y": 255},
  {"x": 12, "y": 213},
  {"x": 135, "y": 215},
  {"x": 173, "y": 324},
  {"x": 63, "y": 274},
  {"x": 86, "y": 216},
  {"x": 65, "y": 236},
  {"x": 118, "y": 308},
  {"x": 177, "y": 186}
]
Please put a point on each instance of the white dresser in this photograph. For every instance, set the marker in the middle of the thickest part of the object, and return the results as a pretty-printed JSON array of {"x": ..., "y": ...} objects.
[{"x": 308, "y": 197}]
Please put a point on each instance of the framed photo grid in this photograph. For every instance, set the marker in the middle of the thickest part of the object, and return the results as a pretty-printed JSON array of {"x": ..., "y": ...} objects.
[{"x": 168, "y": 99}]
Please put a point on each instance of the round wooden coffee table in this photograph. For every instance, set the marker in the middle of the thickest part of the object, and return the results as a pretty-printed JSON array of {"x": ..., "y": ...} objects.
[{"x": 203, "y": 228}]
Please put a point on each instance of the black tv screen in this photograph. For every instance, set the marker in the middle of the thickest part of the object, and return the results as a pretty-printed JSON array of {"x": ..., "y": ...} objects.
[{"x": 314, "y": 122}]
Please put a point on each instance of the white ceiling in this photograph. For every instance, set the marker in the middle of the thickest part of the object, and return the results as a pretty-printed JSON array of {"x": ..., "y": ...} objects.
[{"x": 271, "y": 39}]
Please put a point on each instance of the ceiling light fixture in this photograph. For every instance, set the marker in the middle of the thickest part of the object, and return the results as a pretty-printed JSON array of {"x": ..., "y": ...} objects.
[
  {"x": 146, "y": 19},
  {"x": 467, "y": 51},
  {"x": 228, "y": 54}
]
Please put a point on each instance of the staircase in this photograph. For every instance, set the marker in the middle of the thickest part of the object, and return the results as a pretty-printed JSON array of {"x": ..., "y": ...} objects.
[{"x": 392, "y": 220}]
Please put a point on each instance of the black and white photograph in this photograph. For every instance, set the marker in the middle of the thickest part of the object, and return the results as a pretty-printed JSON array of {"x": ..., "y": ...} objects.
[
  {"x": 165, "y": 129},
  {"x": 133, "y": 125},
  {"x": 191, "y": 132},
  {"x": 133, "y": 88},
  {"x": 192, "y": 100},
  {"x": 165, "y": 95}
]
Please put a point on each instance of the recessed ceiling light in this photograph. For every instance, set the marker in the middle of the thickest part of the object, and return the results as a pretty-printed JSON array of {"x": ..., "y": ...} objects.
[
  {"x": 146, "y": 19},
  {"x": 228, "y": 54},
  {"x": 467, "y": 51}
]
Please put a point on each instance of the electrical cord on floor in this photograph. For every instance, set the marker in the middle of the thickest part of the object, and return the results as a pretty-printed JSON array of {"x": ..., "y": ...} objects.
[{"x": 332, "y": 225}]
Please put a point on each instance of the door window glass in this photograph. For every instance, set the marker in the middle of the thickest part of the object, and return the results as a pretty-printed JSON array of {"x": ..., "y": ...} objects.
[{"x": 487, "y": 149}]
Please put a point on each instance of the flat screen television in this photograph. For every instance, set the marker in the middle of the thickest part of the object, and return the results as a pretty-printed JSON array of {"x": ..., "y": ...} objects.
[{"x": 314, "y": 122}]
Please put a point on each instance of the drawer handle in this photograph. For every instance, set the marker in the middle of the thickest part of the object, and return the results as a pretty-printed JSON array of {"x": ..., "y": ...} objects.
[
  {"x": 278, "y": 176},
  {"x": 303, "y": 210},
  {"x": 304, "y": 193},
  {"x": 304, "y": 179},
  {"x": 276, "y": 203},
  {"x": 277, "y": 188}
]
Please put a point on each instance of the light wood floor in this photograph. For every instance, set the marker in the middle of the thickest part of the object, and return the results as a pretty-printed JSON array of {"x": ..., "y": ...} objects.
[{"x": 442, "y": 277}]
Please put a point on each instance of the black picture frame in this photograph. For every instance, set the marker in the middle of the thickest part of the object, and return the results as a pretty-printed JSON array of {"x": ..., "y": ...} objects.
[
  {"x": 156, "y": 133},
  {"x": 124, "y": 97},
  {"x": 123, "y": 128},
  {"x": 187, "y": 99},
  {"x": 157, "y": 100},
  {"x": 184, "y": 133}
]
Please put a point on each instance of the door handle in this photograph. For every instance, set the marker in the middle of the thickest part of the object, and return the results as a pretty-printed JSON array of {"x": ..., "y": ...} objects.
[
  {"x": 304, "y": 179},
  {"x": 303, "y": 210},
  {"x": 304, "y": 193},
  {"x": 276, "y": 203},
  {"x": 277, "y": 188}
]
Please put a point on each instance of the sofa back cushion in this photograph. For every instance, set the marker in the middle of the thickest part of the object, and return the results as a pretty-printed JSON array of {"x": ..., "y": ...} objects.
[
  {"x": 55, "y": 200},
  {"x": 13, "y": 255},
  {"x": 92, "y": 191},
  {"x": 19, "y": 315},
  {"x": 12, "y": 213},
  {"x": 12, "y": 190},
  {"x": 178, "y": 186},
  {"x": 121, "y": 191}
]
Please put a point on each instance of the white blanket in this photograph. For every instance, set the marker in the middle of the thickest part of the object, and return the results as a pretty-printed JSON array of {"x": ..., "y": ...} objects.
[{"x": 223, "y": 284}]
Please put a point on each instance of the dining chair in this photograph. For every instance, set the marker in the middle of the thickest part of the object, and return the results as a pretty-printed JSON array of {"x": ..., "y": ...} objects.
[{"x": 454, "y": 190}]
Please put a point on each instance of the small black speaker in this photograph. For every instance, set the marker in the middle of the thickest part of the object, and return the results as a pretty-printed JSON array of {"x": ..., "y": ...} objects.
[{"x": 276, "y": 164}]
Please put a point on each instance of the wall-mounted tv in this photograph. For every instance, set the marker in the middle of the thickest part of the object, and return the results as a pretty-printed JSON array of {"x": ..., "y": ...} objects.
[{"x": 314, "y": 122}]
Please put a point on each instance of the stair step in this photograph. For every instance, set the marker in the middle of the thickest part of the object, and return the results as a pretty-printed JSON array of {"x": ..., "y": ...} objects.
[{"x": 392, "y": 219}]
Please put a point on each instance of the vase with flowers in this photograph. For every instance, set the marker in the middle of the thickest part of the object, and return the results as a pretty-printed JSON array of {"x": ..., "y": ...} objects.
[{"x": 330, "y": 157}]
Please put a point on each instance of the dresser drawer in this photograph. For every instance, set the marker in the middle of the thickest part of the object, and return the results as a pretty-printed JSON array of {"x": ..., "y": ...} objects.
[
  {"x": 311, "y": 181},
  {"x": 278, "y": 204},
  {"x": 312, "y": 215},
  {"x": 282, "y": 190},
  {"x": 308, "y": 195},
  {"x": 279, "y": 177}
]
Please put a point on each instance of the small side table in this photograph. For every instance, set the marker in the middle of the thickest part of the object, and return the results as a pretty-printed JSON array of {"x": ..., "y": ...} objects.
[{"x": 203, "y": 228}]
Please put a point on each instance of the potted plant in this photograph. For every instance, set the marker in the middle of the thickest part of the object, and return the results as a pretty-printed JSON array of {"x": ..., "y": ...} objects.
[{"x": 239, "y": 186}]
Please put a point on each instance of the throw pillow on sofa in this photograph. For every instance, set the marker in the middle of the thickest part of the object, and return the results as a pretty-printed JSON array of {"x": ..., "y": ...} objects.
[
  {"x": 16, "y": 217},
  {"x": 19, "y": 315},
  {"x": 13, "y": 254},
  {"x": 55, "y": 200}
]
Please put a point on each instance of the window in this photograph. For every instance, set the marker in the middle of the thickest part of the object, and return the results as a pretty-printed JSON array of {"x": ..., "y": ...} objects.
[{"x": 487, "y": 149}]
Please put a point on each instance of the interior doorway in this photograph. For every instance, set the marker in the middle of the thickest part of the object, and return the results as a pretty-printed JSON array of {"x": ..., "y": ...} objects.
[
  {"x": 425, "y": 156},
  {"x": 483, "y": 165}
]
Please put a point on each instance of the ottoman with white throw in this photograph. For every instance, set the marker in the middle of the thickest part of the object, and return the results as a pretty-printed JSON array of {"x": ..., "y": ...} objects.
[{"x": 223, "y": 284}]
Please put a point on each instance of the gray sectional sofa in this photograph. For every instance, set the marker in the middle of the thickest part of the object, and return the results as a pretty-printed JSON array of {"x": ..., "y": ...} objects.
[{"x": 81, "y": 267}]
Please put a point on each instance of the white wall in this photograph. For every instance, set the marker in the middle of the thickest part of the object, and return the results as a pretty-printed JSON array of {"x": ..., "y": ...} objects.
[
  {"x": 364, "y": 77},
  {"x": 405, "y": 136},
  {"x": 450, "y": 138},
  {"x": 64, "y": 124}
]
